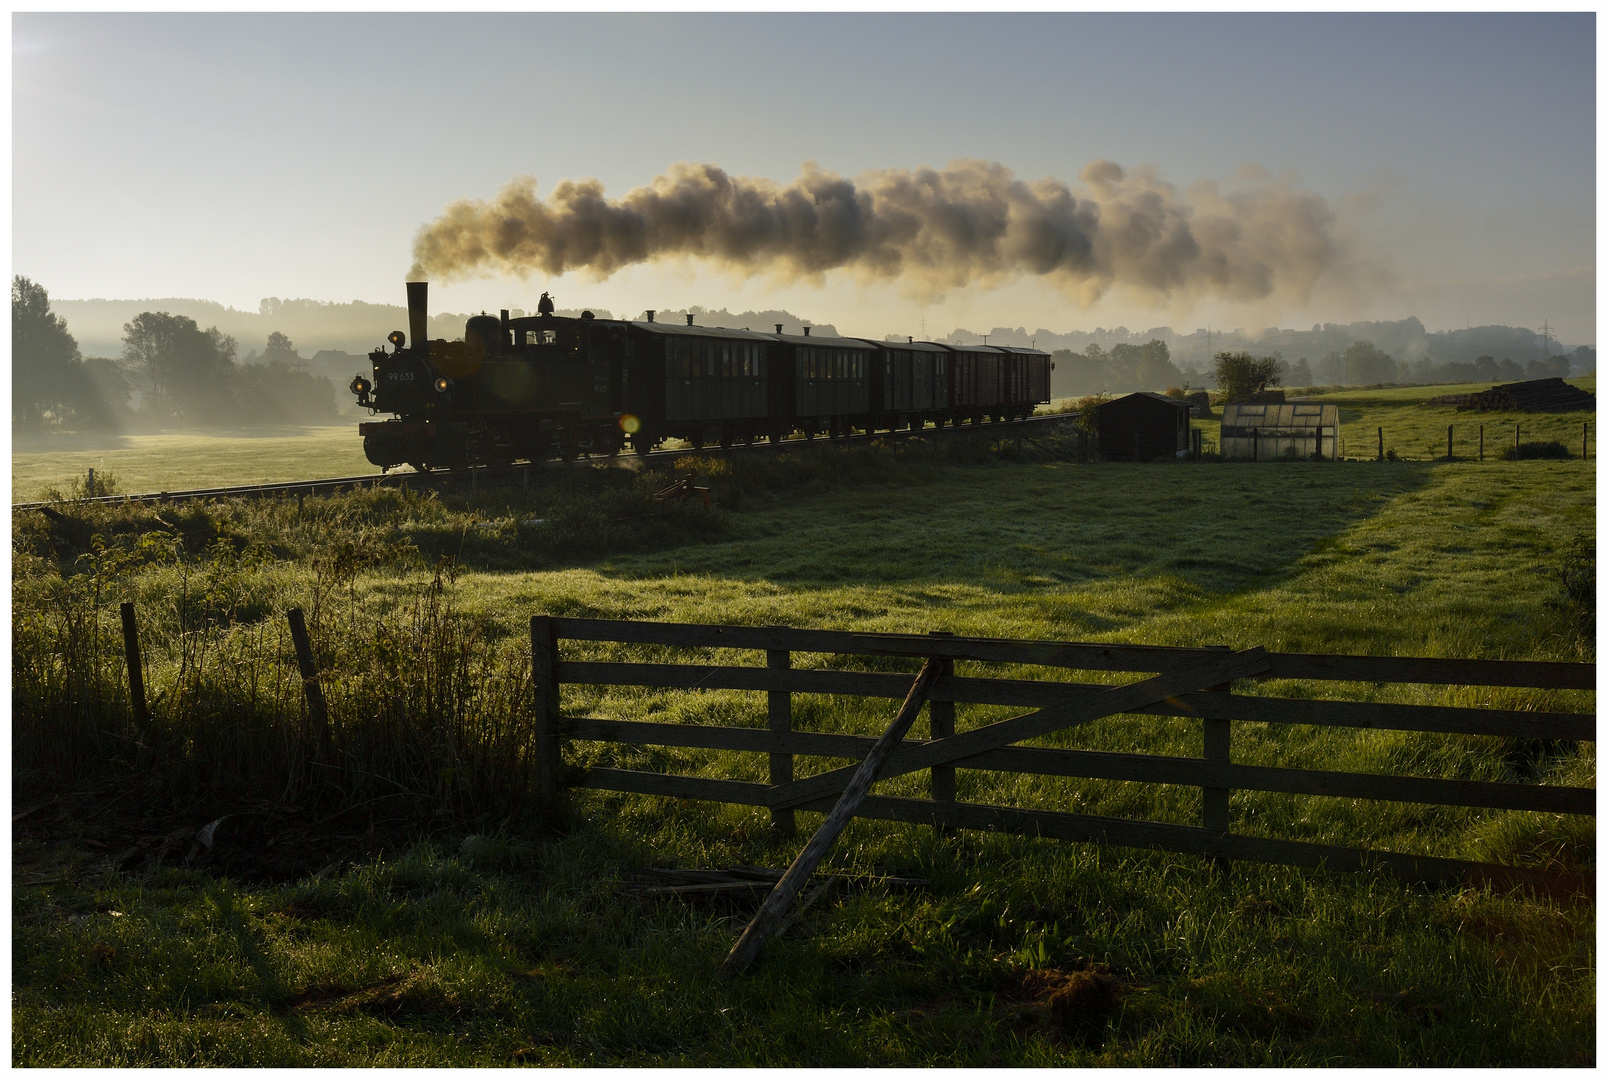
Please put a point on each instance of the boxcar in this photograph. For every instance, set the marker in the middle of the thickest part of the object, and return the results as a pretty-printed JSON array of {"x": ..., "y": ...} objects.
[
  {"x": 829, "y": 380},
  {"x": 909, "y": 384},
  {"x": 975, "y": 385},
  {"x": 1027, "y": 379},
  {"x": 699, "y": 383}
]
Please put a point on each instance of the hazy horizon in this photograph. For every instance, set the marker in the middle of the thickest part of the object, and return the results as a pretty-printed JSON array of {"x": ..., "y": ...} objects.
[{"x": 1139, "y": 170}]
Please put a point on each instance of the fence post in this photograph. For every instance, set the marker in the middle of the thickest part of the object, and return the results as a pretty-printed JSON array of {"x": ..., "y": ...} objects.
[
  {"x": 1515, "y": 442},
  {"x": 1584, "y": 430},
  {"x": 89, "y": 485},
  {"x": 1381, "y": 444},
  {"x": 941, "y": 723},
  {"x": 136, "y": 669},
  {"x": 544, "y": 679},
  {"x": 317, "y": 712},
  {"x": 780, "y": 720},
  {"x": 1214, "y": 800},
  {"x": 1448, "y": 442},
  {"x": 1482, "y": 442}
]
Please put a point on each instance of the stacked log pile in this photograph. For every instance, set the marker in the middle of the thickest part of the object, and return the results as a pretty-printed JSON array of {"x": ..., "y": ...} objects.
[{"x": 1536, "y": 395}]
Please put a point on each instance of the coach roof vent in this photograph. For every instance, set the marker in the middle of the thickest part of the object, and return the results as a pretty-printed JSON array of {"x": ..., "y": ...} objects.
[
  {"x": 650, "y": 316},
  {"x": 689, "y": 318},
  {"x": 778, "y": 328},
  {"x": 806, "y": 331}
]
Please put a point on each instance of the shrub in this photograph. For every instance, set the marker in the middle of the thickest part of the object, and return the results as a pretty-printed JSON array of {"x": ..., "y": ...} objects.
[{"x": 1525, "y": 451}]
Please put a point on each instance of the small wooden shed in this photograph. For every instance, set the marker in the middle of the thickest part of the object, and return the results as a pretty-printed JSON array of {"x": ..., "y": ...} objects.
[{"x": 1143, "y": 427}]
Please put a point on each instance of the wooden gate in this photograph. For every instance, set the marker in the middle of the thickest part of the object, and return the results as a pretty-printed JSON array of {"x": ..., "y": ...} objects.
[{"x": 1057, "y": 705}]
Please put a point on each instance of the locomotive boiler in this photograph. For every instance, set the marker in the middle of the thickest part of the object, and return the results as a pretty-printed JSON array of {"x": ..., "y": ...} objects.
[{"x": 549, "y": 386}]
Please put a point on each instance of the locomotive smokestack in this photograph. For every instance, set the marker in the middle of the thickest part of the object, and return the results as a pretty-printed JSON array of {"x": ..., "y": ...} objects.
[{"x": 418, "y": 308}]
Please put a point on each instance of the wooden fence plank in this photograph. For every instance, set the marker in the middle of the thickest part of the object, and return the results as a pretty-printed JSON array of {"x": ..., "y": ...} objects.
[
  {"x": 1087, "y": 828},
  {"x": 1135, "y": 768},
  {"x": 1024, "y": 693},
  {"x": 1086, "y": 656},
  {"x": 1221, "y": 667}
]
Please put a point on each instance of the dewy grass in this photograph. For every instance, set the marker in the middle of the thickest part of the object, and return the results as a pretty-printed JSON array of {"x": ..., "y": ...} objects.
[
  {"x": 182, "y": 461},
  {"x": 517, "y": 948}
]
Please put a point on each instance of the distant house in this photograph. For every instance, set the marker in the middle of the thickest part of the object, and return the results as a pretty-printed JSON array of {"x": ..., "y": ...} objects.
[{"x": 1143, "y": 427}]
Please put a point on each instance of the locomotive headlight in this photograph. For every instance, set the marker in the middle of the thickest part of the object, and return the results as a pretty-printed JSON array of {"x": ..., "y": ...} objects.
[
  {"x": 397, "y": 338},
  {"x": 442, "y": 383}
]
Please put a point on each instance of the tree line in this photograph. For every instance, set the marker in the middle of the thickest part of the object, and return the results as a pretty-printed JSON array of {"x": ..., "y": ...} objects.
[
  {"x": 1125, "y": 368},
  {"x": 170, "y": 372}
]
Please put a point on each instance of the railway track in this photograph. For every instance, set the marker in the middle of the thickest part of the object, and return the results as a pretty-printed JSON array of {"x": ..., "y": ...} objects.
[{"x": 477, "y": 474}]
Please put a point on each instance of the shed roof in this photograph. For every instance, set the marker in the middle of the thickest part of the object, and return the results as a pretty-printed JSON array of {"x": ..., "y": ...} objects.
[{"x": 1177, "y": 403}]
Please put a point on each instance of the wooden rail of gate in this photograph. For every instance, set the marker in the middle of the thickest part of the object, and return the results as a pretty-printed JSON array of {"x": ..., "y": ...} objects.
[{"x": 1216, "y": 708}]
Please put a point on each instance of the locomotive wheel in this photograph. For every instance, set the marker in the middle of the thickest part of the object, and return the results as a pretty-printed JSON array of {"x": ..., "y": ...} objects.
[{"x": 642, "y": 446}]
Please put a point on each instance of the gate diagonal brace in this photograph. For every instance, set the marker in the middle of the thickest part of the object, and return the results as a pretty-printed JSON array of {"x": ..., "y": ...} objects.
[
  {"x": 681, "y": 489},
  {"x": 866, "y": 773},
  {"x": 954, "y": 749}
]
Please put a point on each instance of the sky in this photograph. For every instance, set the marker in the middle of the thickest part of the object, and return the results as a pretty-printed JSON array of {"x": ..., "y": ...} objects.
[{"x": 236, "y": 157}]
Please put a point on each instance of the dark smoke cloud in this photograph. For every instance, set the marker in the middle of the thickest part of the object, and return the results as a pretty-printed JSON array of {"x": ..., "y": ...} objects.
[{"x": 930, "y": 230}]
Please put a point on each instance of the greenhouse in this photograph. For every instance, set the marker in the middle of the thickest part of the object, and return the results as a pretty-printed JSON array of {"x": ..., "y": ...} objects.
[{"x": 1274, "y": 431}]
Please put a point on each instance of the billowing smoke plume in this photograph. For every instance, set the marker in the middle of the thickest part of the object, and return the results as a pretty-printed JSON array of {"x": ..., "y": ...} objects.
[{"x": 971, "y": 224}]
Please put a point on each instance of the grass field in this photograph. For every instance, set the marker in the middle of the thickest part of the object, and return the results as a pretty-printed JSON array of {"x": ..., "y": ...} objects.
[
  {"x": 175, "y": 462},
  {"x": 1417, "y": 431},
  {"x": 517, "y": 948}
]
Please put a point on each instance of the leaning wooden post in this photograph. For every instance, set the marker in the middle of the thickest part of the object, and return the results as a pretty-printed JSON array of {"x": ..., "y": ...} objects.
[
  {"x": 136, "y": 669},
  {"x": 941, "y": 720},
  {"x": 317, "y": 712},
  {"x": 770, "y": 913},
  {"x": 779, "y": 719},
  {"x": 544, "y": 676}
]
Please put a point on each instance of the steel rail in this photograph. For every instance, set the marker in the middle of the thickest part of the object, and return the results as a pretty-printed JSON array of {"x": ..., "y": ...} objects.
[{"x": 444, "y": 477}]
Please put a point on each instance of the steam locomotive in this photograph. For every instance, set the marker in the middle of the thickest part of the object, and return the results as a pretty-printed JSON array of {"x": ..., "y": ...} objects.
[{"x": 544, "y": 386}]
